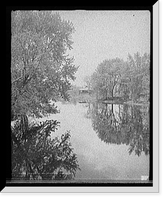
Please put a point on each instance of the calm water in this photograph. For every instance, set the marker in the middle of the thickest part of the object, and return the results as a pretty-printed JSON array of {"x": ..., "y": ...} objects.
[{"x": 111, "y": 141}]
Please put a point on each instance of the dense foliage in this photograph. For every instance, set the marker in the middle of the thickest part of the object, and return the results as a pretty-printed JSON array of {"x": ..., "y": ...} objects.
[
  {"x": 36, "y": 156},
  {"x": 128, "y": 80},
  {"x": 40, "y": 69},
  {"x": 40, "y": 73}
]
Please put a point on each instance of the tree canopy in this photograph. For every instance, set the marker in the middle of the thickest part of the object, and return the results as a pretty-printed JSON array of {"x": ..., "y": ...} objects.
[
  {"x": 127, "y": 79},
  {"x": 40, "y": 69},
  {"x": 40, "y": 73}
]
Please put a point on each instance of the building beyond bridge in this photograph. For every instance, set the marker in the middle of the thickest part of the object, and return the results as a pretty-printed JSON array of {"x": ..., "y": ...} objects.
[{"x": 85, "y": 90}]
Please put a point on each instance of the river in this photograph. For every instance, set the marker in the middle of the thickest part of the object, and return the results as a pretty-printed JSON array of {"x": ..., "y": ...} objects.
[{"x": 111, "y": 141}]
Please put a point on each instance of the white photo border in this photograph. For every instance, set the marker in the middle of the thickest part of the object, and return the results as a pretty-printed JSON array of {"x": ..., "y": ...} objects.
[{"x": 125, "y": 189}]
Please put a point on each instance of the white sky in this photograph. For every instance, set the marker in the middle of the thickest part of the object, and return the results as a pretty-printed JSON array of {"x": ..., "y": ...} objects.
[{"x": 101, "y": 35}]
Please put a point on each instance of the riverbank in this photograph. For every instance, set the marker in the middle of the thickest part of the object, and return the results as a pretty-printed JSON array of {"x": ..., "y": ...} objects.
[
  {"x": 86, "y": 98},
  {"x": 137, "y": 103}
]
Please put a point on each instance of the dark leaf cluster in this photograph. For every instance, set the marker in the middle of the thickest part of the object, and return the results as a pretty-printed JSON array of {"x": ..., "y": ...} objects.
[{"x": 37, "y": 156}]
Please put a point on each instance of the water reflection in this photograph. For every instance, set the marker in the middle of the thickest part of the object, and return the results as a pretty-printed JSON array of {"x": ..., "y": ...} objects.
[
  {"x": 121, "y": 124},
  {"x": 102, "y": 136}
]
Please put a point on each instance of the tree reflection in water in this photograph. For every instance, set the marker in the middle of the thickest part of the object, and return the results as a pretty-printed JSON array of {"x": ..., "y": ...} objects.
[{"x": 122, "y": 124}]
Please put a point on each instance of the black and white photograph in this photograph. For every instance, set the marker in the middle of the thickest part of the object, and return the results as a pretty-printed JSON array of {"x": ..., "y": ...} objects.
[{"x": 81, "y": 97}]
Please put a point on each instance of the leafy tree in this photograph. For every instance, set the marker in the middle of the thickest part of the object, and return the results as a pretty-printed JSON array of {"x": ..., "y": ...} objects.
[
  {"x": 129, "y": 80},
  {"x": 139, "y": 74},
  {"x": 73, "y": 92},
  {"x": 36, "y": 156},
  {"x": 40, "y": 72},
  {"x": 40, "y": 69},
  {"x": 97, "y": 85},
  {"x": 107, "y": 77}
]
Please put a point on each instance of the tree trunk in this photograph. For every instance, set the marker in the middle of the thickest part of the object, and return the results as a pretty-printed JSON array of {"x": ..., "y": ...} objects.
[
  {"x": 113, "y": 90},
  {"x": 106, "y": 94}
]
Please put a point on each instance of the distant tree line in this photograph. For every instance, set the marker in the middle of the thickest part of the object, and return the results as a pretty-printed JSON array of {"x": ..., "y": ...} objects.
[{"x": 129, "y": 79}]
